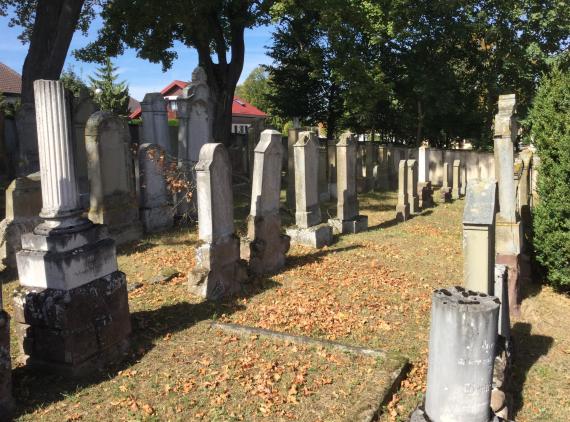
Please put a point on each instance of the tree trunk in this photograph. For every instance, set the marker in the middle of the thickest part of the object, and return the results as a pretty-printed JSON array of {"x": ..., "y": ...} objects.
[{"x": 53, "y": 29}]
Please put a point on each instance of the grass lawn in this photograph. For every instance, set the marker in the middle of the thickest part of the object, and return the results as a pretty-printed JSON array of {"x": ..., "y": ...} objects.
[{"x": 372, "y": 289}]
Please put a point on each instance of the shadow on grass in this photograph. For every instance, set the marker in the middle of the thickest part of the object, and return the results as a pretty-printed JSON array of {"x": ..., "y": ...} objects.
[
  {"x": 297, "y": 261},
  {"x": 528, "y": 349},
  {"x": 33, "y": 389},
  {"x": 385, "y": 224}
]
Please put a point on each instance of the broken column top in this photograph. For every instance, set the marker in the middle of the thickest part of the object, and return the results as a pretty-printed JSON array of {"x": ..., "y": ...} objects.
[
  {"x": 505, "y": 123},
  {"x": 507, "y": 104},
  {"x": 466, "y": 300},
  {"x": 346, "y": 139},
  {"x": 480, "y": 202},
  {"x": 305, "y": 138}
]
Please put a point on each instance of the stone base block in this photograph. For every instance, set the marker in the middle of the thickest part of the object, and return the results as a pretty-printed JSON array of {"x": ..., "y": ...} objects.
[
  {"x": 66, "y": 261},
  {"x": 425, "y": 195},
  {"x": 219, "y": 271},
  {"x": 11, "y": 232},
  {"x": 74, "y": 332},
  {"x": 157, "y": 219},
  {"x": 356, "y": 225},
  {"x": 512, "y": 262},
  {"x": 265, "y": 247},
  {"x": 402, "y": 212},
  {"x": 445, "y": 194},
  {"x": 316, "y": 236},
  {"x": 508, "y": 237},
  {"x": 6, "y": 402}
]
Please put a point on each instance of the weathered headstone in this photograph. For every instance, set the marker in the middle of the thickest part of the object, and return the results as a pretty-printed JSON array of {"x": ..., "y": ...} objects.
[
  {"x": 479, "y": 236},
  {"x": 309, "y": 229},
  {"x": 331, "y": 152},
  {"x": 219, "y": 271},
  {"x": 413, "y": 200},
  {"x": 456, "y": 190},
  {"x": 265, "y": 245},
  {"x": 348, "y": 219},
  {"x": 370, "y": 160},
  {"x": 67, "y": 267},
  {"x": 155, "y": 199},
  {"x": 324, "y": 194},
  {"x": 403, "y": 206},
  {"x": 6, "y": 402},
  {"x": 28, "y": 159},
  {"x": 382, "y": 170},
  {"x": 445, "y": 190},
  {"x": 155, "y": 121},
  {"x": 425, "y": 190},
  {"x": 360, "y": 168},
  {"x": 291, "y": 141},
  {"x": 253, "y": 135},
  {"x": 508, "y": 228},
  {"x": 463, "y": 334},
  {"x": 23, "y": 206},
  {"x": 111, "y": 177}
]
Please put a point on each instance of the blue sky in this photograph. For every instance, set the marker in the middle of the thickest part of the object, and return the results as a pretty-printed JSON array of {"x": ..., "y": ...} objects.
[{"x": 141, "y": 75}]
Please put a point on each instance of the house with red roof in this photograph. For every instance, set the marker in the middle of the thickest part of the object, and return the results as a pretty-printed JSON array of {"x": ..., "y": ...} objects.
[
  {"x": 243, "y": 113},
  {"x": 10, "y": 83}
]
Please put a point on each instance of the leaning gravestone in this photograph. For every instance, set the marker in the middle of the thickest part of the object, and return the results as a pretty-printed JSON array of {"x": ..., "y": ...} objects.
[
  {"x": 463, "y": 335},
  {"x": 219, "y": 271},
  {"x": 111, "y": 176},
  {"x": 155, "y": 201},
  {"x": 6, "y": 403},
  {"x": 265, "y": 245},
  {"x": 67, "y": 267},
  {"x": 23, "y": 206},
  {"x": 348, "y": 219},
  {"x": 309, "y": 229},
  {"x": 403, "y": 206}
]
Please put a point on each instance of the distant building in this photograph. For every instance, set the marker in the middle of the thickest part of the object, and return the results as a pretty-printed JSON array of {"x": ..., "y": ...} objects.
[
  {"x": 243, "y": 113},
  {"x": 10, "y": 84}
]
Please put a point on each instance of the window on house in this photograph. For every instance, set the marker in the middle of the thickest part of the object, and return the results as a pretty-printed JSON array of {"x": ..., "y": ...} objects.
[{"x": 173, "y": 105}]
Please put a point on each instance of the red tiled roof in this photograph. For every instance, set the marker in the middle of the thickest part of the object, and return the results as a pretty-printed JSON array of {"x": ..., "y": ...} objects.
[
  {"x": 10, "y": 80},
  {"x": 177, "y": 85}
]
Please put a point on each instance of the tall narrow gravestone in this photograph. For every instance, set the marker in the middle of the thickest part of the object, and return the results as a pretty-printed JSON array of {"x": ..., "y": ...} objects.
[
  {"x": 425, "y": 190},
  {"x": 508, "y": 228},
  {"x": 309, "y": 229},
  {"x": 479, "y": 236},
  {"x": 462, "y": 341},
  {"x": 6, "y": 403},
  {"x": 219, "y": 271},
  {"x": 456, "y": 190},
  {"x": 67, "y": 267},
  {"x": 413, "y": 199},
  {"x": 265, "y": 245},
  {"x": 111, "y": 177},
  {"x": 445, "y": 190},
  {"x": 403, "y": 206},
  {"x": 348, "y": 219},
  {"x": 155, "y": 200},
  {"x": 291, "y": 141},
  {"x": 155, "y": 121}
]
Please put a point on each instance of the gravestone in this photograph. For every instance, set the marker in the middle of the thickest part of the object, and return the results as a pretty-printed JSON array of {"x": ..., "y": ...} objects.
[
  {"x": 425, "y": 190},
  {"x": 445, "y": 190},
  {"x": 83, "y": 108},
  {"x": 219, "y": 271},
  {"x": 265, "y": 246},
  {"x": 331, "y": 152},
  {"x": 155, "y": 121},
  {"x": 23, "y": 206},
  {"x": 456, "y": 190},
  {"x": 479, "y": 236},
  {"x": 155, "y": 199},
  {"x": 524, "y": 196},
  {"x": 111, "y": 177},
  {"x": 6, "y": 402},
  {"x": 67, "y": 267},
  {"x": 463, "y": 334},
  {"x": 413, "y": 200},
  {"x": 291, "y": 141},
  {"x": 508, "y": 227},
  {"x": 361, "y": 186},
  {"x": 501, "y": 291},
  {"x": 28, "y": 160},
  {"x": 309, "y": 229},
  {"x": 370, "y": 160},
  {"x": 403, "y": 206},
  {"x": 324, "y": 194},
  {"x": 348, "y": 219}
]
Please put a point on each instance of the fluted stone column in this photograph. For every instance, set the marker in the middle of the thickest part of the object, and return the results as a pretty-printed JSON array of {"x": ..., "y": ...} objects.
[{"x": 61, "y": 207}]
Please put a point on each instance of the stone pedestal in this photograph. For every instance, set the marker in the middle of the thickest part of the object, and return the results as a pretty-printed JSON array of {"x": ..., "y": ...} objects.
[
  {"x": 219, "y": 270},
  {"x": 77, "y": 331},
  {"x": 23, "y": 206},
  {"x": 6, "y": 401},
  {"x": 403, "y": 206},
  {"x": 463, "y": 337},
  {"x": 413, "y": 199},
  {"x": 308, "y": 230},
  {"x": 479, "y": 236},
  {"x": 265, "y": 246},
  {"x": 457, "y": 182},
  {"x": 155, "y": 199},
  {"x": 71, "y": 312}
]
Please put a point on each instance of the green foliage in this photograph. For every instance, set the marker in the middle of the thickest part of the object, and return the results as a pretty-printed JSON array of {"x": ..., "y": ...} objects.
[
  {"x": 8, "y": 108},
  {"x": 173, "y": 122},
  {"x": 549, "y": 122},
  {"x": 73, "y": 82},
  {"x": 110, "y": 95}
]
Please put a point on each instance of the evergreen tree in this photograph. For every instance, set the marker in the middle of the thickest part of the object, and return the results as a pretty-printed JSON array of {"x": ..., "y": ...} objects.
[
  {"x": 73, "y": 81},
  {"x": 111, "y": 96}
]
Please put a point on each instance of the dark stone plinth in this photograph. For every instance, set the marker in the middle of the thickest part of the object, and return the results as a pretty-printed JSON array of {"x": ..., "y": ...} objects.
[
  {"x": 6, "y": 403},
  {"x": 426, "y": 195},
  {"x": 74, "y": 332}
]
